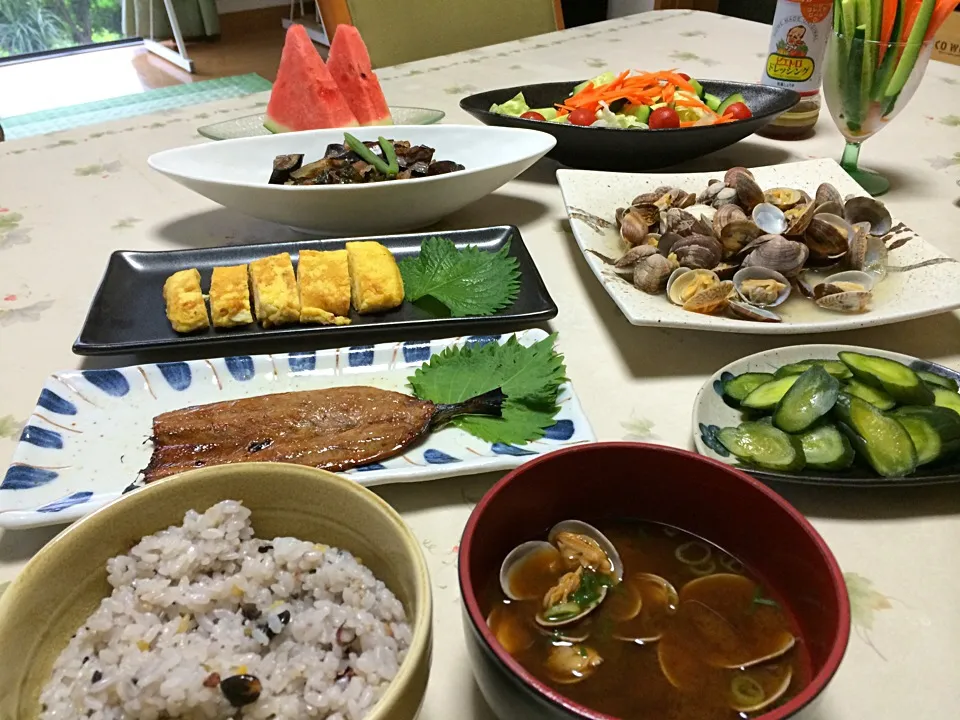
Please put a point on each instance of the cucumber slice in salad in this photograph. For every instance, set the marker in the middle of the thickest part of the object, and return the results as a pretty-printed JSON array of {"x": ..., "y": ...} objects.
[
  {"x": 730, "y": 100},
  {"x": 640, "y": 112},
  {"x": 697, "y": 88},
  {"x": 712, "y": 101}
]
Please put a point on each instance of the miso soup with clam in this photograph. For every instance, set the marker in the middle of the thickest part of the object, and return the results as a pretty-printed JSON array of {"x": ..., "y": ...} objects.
[{"x": 644, "y": 621}]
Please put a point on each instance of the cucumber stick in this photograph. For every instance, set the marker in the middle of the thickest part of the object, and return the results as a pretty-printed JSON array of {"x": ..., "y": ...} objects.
[
  {"x": 852, "y": 105},
  {"x": 811, "y": 397},
  {"x": 880, "y": 439},
  {"x": 911, "y": 51},
  {"x": 890, "y": 58}
]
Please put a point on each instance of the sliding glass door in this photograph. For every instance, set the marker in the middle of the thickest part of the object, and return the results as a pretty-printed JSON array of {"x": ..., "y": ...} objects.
[{"x": 35, "y": 26}]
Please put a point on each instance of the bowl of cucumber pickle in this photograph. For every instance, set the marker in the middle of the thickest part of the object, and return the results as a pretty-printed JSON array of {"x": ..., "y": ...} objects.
[{"x": 833, "y": 414}]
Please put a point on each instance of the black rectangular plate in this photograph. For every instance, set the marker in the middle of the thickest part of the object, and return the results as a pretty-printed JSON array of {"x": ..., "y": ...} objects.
[{"x": 128, "y": 312}]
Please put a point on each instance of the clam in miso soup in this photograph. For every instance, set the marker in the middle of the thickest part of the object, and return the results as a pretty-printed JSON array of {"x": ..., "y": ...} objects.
[{"x": 646, "y": 622}]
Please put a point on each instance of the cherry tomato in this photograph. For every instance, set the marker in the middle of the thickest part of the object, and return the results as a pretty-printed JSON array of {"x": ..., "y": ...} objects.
[
  {"x": 739, "y": 111},
  {"x": 665, "y": 117},
  {"x": 582, "y": 116},
  {"x": 533, "y": 115},
  {"x": 683, "y": 75}
]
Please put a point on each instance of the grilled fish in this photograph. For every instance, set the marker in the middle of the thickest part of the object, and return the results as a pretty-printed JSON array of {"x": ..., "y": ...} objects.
[{"x": 332, "y": 429}]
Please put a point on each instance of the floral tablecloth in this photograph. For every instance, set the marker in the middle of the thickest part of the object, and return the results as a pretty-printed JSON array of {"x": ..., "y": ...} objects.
[{"x": 67, "y": 200}]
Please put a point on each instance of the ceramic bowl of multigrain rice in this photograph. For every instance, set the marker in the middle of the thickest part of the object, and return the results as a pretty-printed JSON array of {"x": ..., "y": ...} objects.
[{"x": 256, "y": 591}]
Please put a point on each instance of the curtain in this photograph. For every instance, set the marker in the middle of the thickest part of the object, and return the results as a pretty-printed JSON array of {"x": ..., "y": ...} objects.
[{"x": 198, "y": 19}]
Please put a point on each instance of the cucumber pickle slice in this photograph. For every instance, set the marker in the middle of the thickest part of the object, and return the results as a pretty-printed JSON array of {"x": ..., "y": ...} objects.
[
  {"x": 764, "y": 445},
  {"x": 769, "y": 394},
  {"x": 875, "y": 396},
  {"x": 826, "y": 448},
  {"x": 880, "y": 439},
  {"x": 811, "y": 397},
  {"x": 899, "y": 381},
  {"x": 932, "y": 378},
  {"x": 739, "y": 387},
  {"x": 834, "y": 367}
]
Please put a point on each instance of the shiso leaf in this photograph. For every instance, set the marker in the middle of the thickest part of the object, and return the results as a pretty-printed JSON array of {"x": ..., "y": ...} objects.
[
  {"x": 469, "y": 281},
  {"x": 530, "y": 378}
]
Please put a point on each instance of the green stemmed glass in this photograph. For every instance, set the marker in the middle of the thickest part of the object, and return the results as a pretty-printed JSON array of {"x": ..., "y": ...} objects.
[{"x": 866, "y": 83}]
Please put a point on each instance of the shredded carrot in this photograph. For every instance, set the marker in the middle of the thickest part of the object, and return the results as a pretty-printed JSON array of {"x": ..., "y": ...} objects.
[{"x": 648, "y": 88}]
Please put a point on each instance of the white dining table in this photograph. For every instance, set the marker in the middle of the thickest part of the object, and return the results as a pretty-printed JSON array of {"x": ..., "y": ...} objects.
[{"x": 69, "y": 199}]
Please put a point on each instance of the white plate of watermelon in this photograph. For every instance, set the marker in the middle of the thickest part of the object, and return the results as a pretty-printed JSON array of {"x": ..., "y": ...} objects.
[
  {"x": 253, "y": 125},
  {"x": 310, "y": 94}
]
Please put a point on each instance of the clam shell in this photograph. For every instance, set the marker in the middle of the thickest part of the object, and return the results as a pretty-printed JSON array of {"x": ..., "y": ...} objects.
[
  {"x": 725, "y": 215},
  {"x": 785, "y": 256},
  {"x": 866, "y": 281},
  {"x": 648, "y": 198},
  {"x": 581, "y": 528},
  {"x": 746, "y": 311},
  {"x": 648, "y": 212},
  {"x": 633, "y": 230},
  {"x": 870, "y": 210},
  {"x": 783, "y": 198},
  {"x": 749, "y": 194},
  {"x": 711, "y": 300},
  {"x": 679, "y": 221},
  {"x": 752, "y": 690},
  {"x": 737, "y": 234},
  {"x": 515, "y": 559},
  {"x": 846, "y": 302},
  {"x": 829, "y": 208},
  {"x": 708, "y": 195},
  {"x": 650, "y": 275},
  {"x": 725, "y": 197},
  {"x": 684, "y": 283},
  {"x": 827, "y": 236},
  {"x": 568, "y": 664},
  {"x": 799, "y": 217},
  {"x": 769, "y": 218},
  {"x": 827, "y": 193},
  {"x": 741, "y": 281},
  {"x": 733, "y": 174},
  {"x": 697, "y": 251},
  {"x": 629, "y": 259}
]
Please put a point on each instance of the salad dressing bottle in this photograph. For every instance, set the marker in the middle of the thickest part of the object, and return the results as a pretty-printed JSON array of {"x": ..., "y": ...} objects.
[{"x": 798, "y": 41}]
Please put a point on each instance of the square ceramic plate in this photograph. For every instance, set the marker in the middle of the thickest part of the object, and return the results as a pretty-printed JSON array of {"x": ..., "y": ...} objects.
[
  {"x": 711, "y": 412},
  {"x": 921, "y": 279},
  {"x": 252, "y": 125},
  {"x": 128, "y": 313},
  {"x": 236, "y": 173},
  {"x": 88, "y": 438}
]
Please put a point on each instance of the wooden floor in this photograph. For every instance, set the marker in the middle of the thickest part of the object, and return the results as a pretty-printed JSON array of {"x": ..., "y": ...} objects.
[{"x": 250, "y": 42}]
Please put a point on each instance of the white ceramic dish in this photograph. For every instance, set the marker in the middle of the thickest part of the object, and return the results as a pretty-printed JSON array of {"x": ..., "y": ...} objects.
[
  {"x": 922, "y": 280},
  {"x": 711, "y": 412},
  {"x": 88, "y": 438},
  {"x": 252, "y": 125},
  {"x": 234, "y": 173}
]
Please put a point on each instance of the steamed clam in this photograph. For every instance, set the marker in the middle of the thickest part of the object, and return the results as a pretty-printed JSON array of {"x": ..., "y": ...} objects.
[
  {"x": 787, "y": 257},
  {"x": 782, "y": 235},
  {"x": 868, "y": 210},
  {"x": 761, "y": 286},
  {"x": 684, "y": 283},
  {"x": 570, "y": 573},
  {"x": 846, "y": 292},
  {"x": 657, "y": 603},
  {"x": 569, "y": 663}
]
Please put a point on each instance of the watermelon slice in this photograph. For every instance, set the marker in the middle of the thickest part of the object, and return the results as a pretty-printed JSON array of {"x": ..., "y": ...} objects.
[
  {"x": 305, "y": 96},
  {"x": 349, "y": 64}
]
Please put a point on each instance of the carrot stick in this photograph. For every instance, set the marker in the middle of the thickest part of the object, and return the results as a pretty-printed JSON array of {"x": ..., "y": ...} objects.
[
  {"x": 942, "y": 10},
  {"x": 910, "y": 17},
  {"x": 886, "y": 26}
]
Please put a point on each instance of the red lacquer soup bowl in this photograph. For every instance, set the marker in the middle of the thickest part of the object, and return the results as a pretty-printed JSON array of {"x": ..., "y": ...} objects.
[{"x": 607, "y": 481}]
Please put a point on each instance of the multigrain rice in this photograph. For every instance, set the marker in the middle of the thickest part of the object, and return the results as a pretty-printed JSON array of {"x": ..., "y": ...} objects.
[{"x": 196, "y": 604}]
